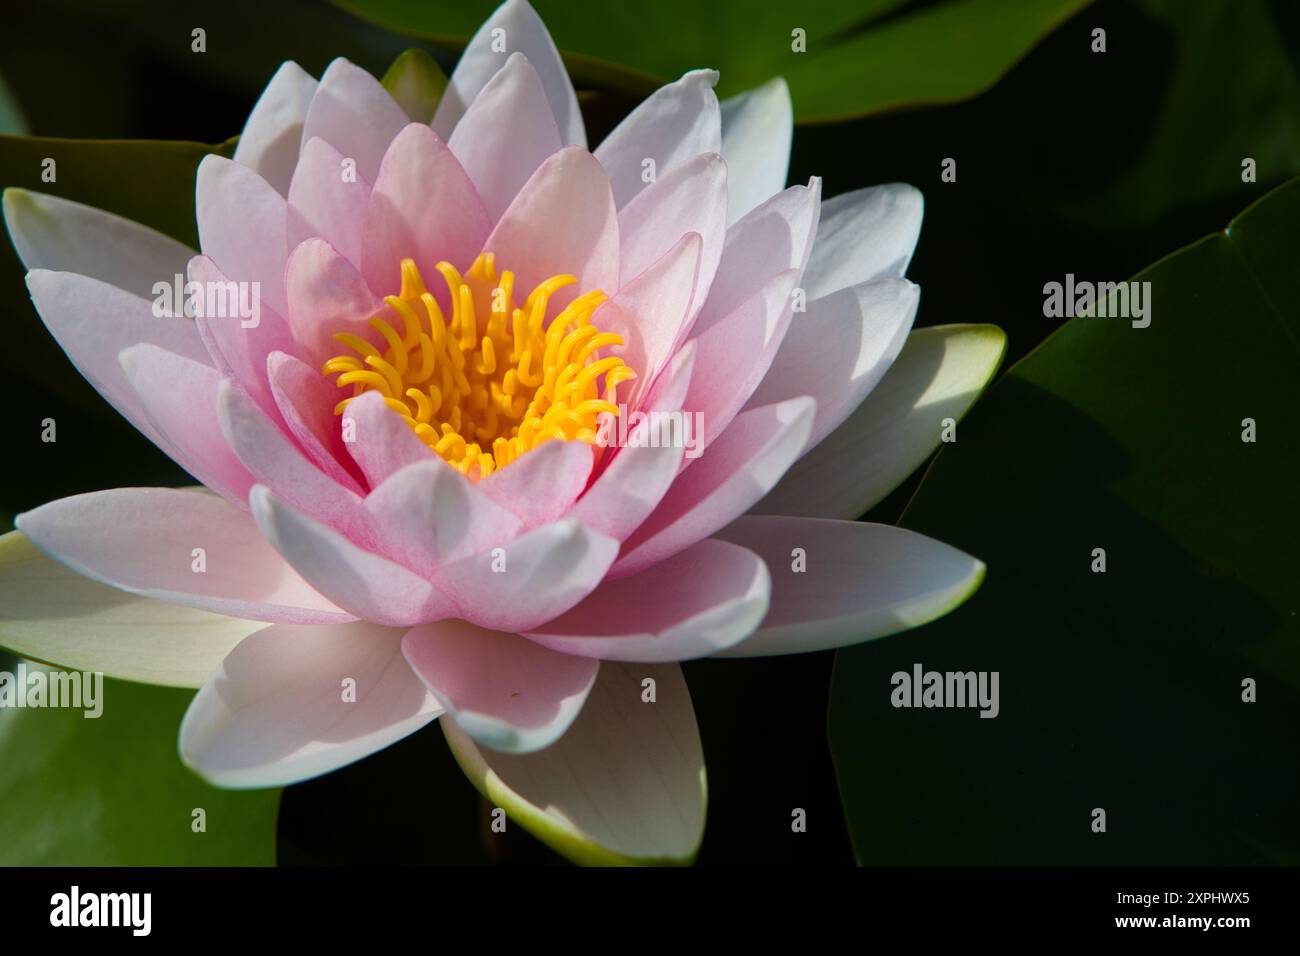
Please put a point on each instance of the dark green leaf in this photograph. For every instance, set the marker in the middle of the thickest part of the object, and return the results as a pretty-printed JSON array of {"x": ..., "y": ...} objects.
[
  {"x": 859, "y": 56},
  {"x": 1119, "y": 690}
]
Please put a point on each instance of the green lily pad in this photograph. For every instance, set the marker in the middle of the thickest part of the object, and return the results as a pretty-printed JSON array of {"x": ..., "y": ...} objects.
[
  {"x": 111, "y": 791},
  {"x": 857, "y": 56},
  {"x": 1121, "y": 691}
]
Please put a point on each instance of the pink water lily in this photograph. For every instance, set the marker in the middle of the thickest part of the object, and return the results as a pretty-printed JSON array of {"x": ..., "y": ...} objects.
[{"x": 412, "y": 505}]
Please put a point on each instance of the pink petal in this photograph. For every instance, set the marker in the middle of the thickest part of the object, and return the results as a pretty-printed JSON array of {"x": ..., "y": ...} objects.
[
  {"x": 423, "y": 207},
  {"x": 738, "y": 469},
  {"x": 735, "y": 353},
  {"x": 691, "y": 198},
  {"x": 241, "y": 226},
  {"x": 428, "y": 514},
  {"x": 639, "y": 475},
  {"x": 860, "y": 582},
  {"x": 537, "y": 576},
  {"x": 271, "y": 137},
  {"x": 651, "y": 313},
  {"x": 365, "y": 584},
  {"x": 698, "y": 602},
  {"x": 179, "y": 399},
  {"x": 93, "y": 321},
  {"x": 354, "y": 113},
  {"x": 562, "y": 221},
  {"x": 506, "y": 134},
  {"x": 771, "y": 239},
  {"x": 238, "y": 347},
  {"x": 327, "y": 295},
  {"x": 275, "y": 460},
  {"x": 840, "y": 349},
  {"x": 518, "y": 26},
  {"x": 278, "y": 710},
  {"x": 326, "y": 203},
  {"x": 541, "y": 486},
  {"x": 507, "y": 693},
  {"x": 675, "y": 124},
  {"x": 380, "y": 442},
  {"x": 143, "y": 540},
  {"x": 306, "y": 400}
]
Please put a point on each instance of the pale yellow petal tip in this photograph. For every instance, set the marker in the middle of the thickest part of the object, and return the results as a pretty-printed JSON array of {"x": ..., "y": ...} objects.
[
  {"x": 776, "y": 87},
  {"x": 976, "y": 582},
  {"x": 17, "y": 201},
  {"x": 565, "y": 840},
  {"x": 991, "y": 334},
  {"x": 996, "y": 332}
]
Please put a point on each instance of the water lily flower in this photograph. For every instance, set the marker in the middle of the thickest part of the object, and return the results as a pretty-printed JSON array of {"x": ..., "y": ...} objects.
[{"x": 412, "y": 508}]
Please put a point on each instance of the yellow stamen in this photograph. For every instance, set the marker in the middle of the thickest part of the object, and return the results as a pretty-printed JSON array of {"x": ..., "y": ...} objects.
[{"x": 495, "y": 381}]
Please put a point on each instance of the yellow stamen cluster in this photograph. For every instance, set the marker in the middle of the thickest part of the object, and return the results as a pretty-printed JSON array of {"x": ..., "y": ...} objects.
[{"x": 481, "y": 396}]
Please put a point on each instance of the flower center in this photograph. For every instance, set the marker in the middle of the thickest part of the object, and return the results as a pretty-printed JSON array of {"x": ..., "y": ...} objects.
[{"x": 482, "y": 396}]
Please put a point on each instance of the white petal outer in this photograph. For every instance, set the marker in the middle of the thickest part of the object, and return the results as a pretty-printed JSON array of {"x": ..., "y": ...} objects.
[
  {"x": 673, "y": 125},
  {"x": 278, "y": 710},
  {"x": 840, "y": 348},
  {"x": 860, "y": 582},
  {"x": 523, "y": 32},
  {"x": 696, "y": 603},
  {"x": 757, "y": 130},
  {"x": 50, "y": 613},
  {"x": 740, "y": 467},
  {"x": 143, "y": 540},
  {"x": 864, "y": 235},
  {"x": 271, "y": 137},
  {"x": 626, "y": 784},
  {"x": 65, "y": 236},
  {"x": 938, "y": 375},
  {"x": 504, "y": 691}
]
